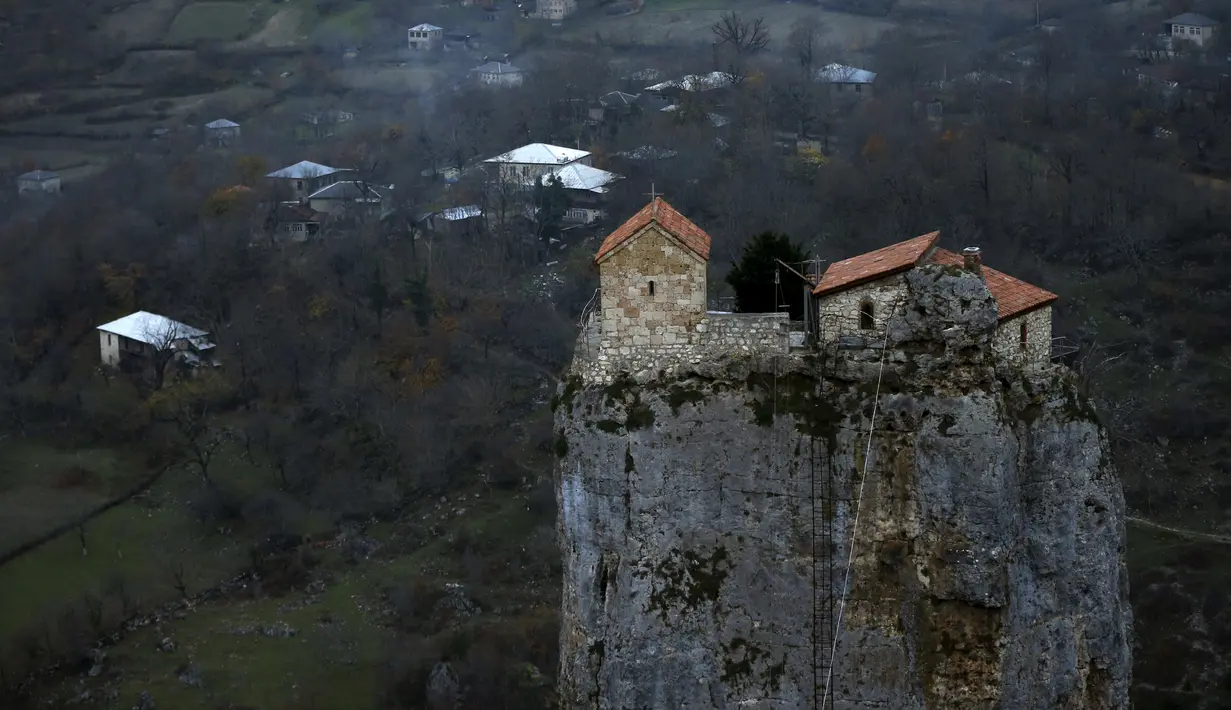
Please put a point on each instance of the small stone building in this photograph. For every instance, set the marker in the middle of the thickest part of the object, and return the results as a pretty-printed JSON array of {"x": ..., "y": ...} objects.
[
  {"x": 650, "y": 312},
  {"x": 652, "y": 279},
  {"x": 857, "y": 296}
]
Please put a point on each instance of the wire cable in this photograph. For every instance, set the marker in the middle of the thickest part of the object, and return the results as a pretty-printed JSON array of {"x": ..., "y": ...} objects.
[{"x": 863, "y": 480}]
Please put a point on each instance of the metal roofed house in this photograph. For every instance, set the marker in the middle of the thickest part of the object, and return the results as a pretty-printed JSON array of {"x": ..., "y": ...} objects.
[
  {"x": 147, "y": 339},
  {"x": 305, "y": 177},
  {"x": 424, "y": 37},
  {"x": 337, "y": 198},
  {"x": 498, "y": 74},
  {"x": 38, "y": 182},
  {"x": 692, "y": 83},
  {"x": 525, "y": 165},
  {"x": 586, "y": 187},
  {"x": 221, "y": 132},
  {"x": 453, "y": 221},
  {"x": 843, "y": 79},
  {"x": 1192, "y": 27},
  {"x": 855, "y": 298}
]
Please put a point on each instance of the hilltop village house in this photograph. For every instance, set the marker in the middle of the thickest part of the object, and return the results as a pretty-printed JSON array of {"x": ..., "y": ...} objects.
[
  {"x": 650, "y": 310},
  {"x": 141, "y": 338},
  {"x": 1192, "y": 27},
  {"x": 38, "y": 182},
  {"x": 222, "y": 132},
  {"x": 528, "y": 164},
  {"x": 306, "y": 177},
  {"x": 498, "y": 74},
  {"x": 424, "y": 37}
]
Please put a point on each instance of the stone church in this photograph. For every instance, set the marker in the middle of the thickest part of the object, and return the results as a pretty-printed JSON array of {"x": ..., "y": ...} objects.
[{"x": 651, "y": 307}]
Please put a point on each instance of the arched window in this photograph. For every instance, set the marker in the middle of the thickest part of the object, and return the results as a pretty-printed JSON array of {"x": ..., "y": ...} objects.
[
  {"x": 651, "y": 288},
  {"x": 1024, "y": 339},
  {"x": 867, "y": 315}
]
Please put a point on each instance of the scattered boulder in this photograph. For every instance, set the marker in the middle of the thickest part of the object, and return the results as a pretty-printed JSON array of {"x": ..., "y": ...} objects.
[
  {"x": 191, "y": 676},
  {"x": 145, "y": 701},
  {"x": 97, "y": 656},
  {"x": 455, "y": 604},
  {"x": 443, "y": 689},
  {"x": 166, "y": 645}
]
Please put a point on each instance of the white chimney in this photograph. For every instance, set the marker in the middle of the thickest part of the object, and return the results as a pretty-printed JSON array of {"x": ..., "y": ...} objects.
[{"x": 972, "y": 260}]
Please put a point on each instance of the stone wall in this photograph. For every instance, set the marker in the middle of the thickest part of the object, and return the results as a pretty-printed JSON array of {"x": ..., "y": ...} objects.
[
  {"x": 599, "y": 358},
  {"x": 1037, "y": 350},
  {"x": 839, "y": 313},
  {"x": 652, "y": 294}
]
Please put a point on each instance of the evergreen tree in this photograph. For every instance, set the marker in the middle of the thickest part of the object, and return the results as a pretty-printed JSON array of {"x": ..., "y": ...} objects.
[
  {"x": 553, "y": 203},
  {"x": 752, "y": 277}
]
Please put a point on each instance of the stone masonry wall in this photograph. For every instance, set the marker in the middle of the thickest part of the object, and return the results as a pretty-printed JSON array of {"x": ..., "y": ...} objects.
[
  {"x": 839, "y": 313},
  {"x": 1008, "y": 343},
  {"x": 718, "y": 336},
  {"x": 633, "y": 317}
]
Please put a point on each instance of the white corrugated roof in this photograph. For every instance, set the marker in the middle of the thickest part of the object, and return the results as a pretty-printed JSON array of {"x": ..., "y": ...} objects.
[
  {"x": 842, "y": 74},
  {"x": 582, "y": 177},
  {"x": 496, "y": 68},
  {"x": 222, "y": 123},
  {"x": 696, "y": 82},
  {"x": 305, "y": 169},
  {"x": 348, "y": 190},
  {"x": 539, "y": 154},
  {"x": 426, "y": 28},
  {"x": 453, "y": 214},
  {"x": 39, "y": 175},
  {"x": 153, "y": 329}
]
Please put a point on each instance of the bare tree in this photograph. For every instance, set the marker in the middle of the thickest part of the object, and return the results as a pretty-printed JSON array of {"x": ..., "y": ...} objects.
[
  {"x": 746, "y": 37},
  {"x": 805, "y": 43},
  {"x": 198, "y": 440}
]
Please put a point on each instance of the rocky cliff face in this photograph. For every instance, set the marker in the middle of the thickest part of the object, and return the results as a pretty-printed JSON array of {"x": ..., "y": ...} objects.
[{"x": 707, "y": 516}]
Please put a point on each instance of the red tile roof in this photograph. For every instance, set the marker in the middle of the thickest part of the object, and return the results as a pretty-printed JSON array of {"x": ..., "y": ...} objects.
[
  {"x": 666, "y": 217},
  {"x": 877, "y": 264},
  {"x": 1013, "y": 296}
]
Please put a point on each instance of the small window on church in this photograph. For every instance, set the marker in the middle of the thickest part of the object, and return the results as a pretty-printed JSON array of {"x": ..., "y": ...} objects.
[
  {"x": 651, "y": 288},
  {"x": 866, "y": 316},
  {"x": 1023, "y": 339}
]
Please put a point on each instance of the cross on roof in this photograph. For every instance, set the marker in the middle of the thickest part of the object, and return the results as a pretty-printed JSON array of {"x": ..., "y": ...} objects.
[{"x": 653, "y": 194}]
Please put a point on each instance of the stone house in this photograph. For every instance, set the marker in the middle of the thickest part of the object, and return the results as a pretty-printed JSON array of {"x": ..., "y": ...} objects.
[
  {"x": 38, "y": 182},
  {"x": 138, "y": 337},
  {"x": 856, "y": 297},
  {"x": 1192, "y": 27},
  {"x": 424, "y": 37},
  {"x": 222, "y": 132}
]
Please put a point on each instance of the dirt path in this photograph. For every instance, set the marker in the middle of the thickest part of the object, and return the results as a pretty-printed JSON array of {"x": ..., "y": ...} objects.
[{"x": 1191, "y": 534}]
